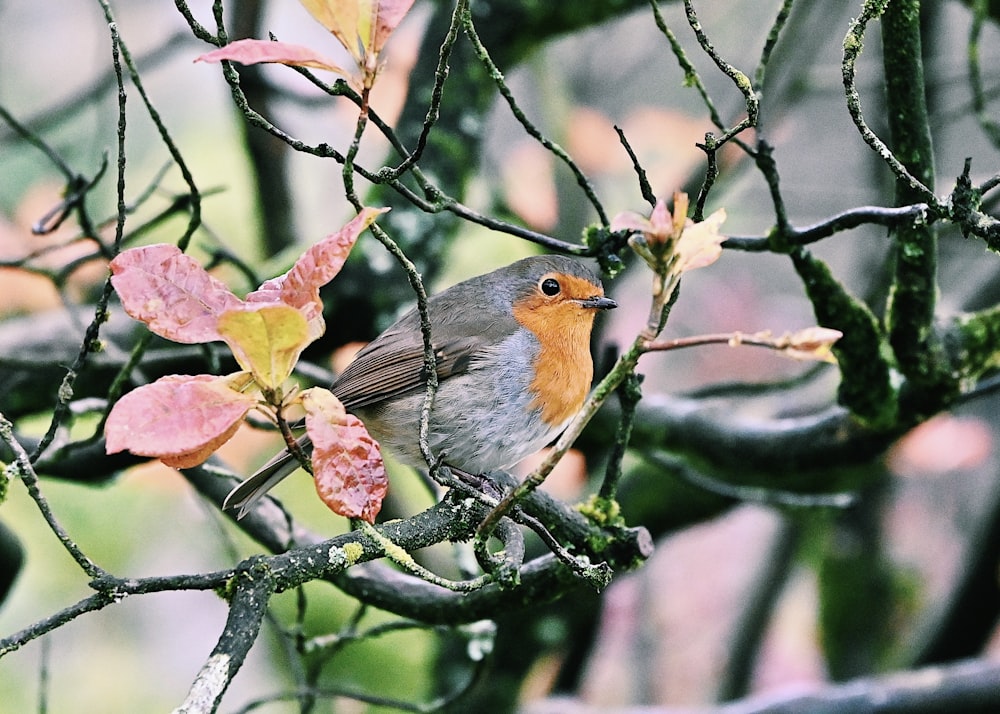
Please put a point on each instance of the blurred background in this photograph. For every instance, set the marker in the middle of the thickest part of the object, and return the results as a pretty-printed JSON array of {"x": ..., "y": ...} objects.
[{"x": 740, "y": 597}]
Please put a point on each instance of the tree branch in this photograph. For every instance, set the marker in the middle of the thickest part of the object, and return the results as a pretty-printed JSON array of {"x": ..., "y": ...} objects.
[{"x": 969, "y": 686}]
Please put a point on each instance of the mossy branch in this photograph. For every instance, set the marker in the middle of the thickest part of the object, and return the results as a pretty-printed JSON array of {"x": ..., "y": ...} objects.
[
  {"x": 973, "y": 343},
  {"x": 913, "y": 293},
  {"x": 866, "y": 384}
]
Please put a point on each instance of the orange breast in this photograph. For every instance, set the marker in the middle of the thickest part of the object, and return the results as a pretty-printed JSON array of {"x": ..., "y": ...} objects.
[{"x": 564, "y": 368}]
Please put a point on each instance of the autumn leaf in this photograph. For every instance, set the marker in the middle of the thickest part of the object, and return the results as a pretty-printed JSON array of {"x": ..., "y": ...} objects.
[
  {"x": 179, "y": 419},
  {"x": 266, "y": 340},
  {"x": 386, "y": 16},
  {"x": 183, "y": 419},
  {"x": 361, "y": 26},
  {"x": 320, "y": 264},
  {"x": 250, "y": 51},
  {"x": 347, "y": 465},
  {"x": 170, "y": 292},
  {"x": 670, "y": 242}
]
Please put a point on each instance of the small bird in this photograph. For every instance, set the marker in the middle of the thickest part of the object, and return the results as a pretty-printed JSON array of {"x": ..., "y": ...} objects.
[{"x": 513, "y": 362}]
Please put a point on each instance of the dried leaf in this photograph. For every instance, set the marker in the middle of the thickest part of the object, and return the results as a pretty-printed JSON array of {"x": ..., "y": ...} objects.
[
  {"x": 266, "y": 340},
  {"x": 680, "y": 220},
  {"x": 347, "y": 465},
  {"x": 341, "y": 18},
  {"x": 252, "y": 51},
  {"x": 200, "y": 455},
  {"x": 700, "y": 244},
  {"x": 812, "y": 343},
  {"x": 170, "y": 292},
  {"x": 179, "y": 419}
]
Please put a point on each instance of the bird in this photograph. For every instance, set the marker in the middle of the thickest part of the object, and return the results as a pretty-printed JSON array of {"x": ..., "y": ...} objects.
[{"x": 512, "y": 351}]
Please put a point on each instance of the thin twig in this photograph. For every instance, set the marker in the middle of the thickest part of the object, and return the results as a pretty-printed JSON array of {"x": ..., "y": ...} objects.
[
  {"x": 691, "y": 76},
  {"x": 437, "y": 92},
  {"x": 741, "y": 81},
  {"x": 647, "y": 191},
  {"x": 853, "y": 45},
  {"x": 846, "y": 220},
  {"x": 494, "y": 72},
  {"x": 22, "y": 466},
  {"x": 773, "y": 34},
  {"x": 32, "y": 138}
]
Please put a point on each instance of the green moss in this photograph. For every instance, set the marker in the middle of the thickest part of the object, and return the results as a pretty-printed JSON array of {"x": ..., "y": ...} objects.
[
  {"x": 973, "y": 344},
  {"x": 853, "y": 44},
  {"x": 866, "y": 375},
  {"x": 226, "y": 591},
  {"x": 604, "y": 512},
  {"x": 353, "y": 552},
  {"x": 605, "y": 244}
]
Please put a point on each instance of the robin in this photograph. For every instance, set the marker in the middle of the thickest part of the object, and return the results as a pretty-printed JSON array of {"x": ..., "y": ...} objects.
[{"x": 513, "y": 363}]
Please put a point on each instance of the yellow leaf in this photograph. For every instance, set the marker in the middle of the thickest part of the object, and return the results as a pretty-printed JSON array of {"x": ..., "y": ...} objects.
[
  {"x": 266, "y": 340},
  {"x": 361, "y": 26},
  {"x": 339, "y": 17}
]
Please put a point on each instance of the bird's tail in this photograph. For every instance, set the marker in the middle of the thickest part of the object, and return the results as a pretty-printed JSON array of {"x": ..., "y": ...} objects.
[{"x": 248, "y": 492}]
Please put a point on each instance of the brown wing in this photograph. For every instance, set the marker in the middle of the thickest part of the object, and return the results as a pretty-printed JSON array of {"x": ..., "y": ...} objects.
[{"x": 393, "y": 364}]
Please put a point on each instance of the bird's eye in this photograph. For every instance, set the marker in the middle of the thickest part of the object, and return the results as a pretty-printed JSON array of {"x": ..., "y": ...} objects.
[{"x": 550, "y": 286}]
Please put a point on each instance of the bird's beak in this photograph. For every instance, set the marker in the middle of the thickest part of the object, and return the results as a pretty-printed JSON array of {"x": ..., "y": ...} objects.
[{"x": 599, "y": 302}]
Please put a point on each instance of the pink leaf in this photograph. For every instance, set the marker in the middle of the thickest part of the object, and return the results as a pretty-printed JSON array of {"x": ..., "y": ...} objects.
[
  {"x": 388, "y": 15},
  {"x": 299, "y": 287},
  {"x": 665, "y": 235},
  {"x": 200, "y": 454},
  {"x": 347, "y": 465},
  {"x": 170, "y": 292},
  {"x": 658, "y": 228},
  {"x": 263, "y": 51},
  {"x": 180, "y": 419}
]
